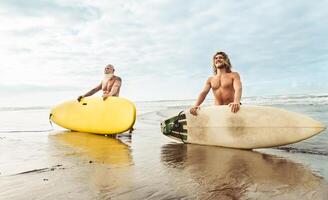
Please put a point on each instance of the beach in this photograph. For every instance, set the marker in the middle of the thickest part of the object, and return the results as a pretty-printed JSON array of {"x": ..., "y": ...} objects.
[
  {"x": 166, "y": 57},
  {"x": 40, "y": 161}
]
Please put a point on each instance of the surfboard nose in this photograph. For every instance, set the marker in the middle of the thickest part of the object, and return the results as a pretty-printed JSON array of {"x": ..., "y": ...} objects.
[
  {"x": 317, "y": 126},
  {"x": 322, "y": 127}
]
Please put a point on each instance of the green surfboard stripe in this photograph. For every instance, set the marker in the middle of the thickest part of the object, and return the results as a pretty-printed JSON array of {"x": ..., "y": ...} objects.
[{"x": 169, "y": 127}]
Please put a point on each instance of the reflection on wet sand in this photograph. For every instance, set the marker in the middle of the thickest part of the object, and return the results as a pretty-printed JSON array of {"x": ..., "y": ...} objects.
[
  {"x": 222, "y": 173},
  {"x": 98, "y": 148},
  {"x": 107, "y": 171},
  {"x": 67, "y": 165}
]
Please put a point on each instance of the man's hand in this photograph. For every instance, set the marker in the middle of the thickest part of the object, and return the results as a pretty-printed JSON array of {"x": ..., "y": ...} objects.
[
  {"x": 193, "y": 110},
  {"x": 105, "y": 96},
  {"x": 79, "y": 98},
  {"x": 234, "y": 107}
]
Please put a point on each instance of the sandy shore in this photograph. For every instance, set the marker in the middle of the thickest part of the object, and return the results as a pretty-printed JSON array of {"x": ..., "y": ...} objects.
[
  {"x": 145, "y": 165},
  {"x": 58, "y": 164}
]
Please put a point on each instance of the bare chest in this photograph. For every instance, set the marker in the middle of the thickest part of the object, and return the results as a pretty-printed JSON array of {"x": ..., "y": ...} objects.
[
  {"x": 106, "y": 86},
  {"x": 222, "y": 82}
]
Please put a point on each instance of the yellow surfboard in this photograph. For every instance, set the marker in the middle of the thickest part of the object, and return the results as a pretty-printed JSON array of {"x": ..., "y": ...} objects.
[{"x": 94, "y": 115}]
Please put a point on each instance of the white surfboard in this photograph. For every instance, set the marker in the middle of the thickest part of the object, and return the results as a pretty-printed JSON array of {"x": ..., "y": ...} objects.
[{"x": 251, "y": 127}]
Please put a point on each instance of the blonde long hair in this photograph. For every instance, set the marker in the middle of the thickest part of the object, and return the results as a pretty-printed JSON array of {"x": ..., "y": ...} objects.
[{"x": 228, "y": 65}]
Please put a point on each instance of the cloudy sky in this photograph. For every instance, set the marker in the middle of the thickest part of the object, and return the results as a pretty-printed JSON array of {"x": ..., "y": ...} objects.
[{"x": 162, "y": 49}]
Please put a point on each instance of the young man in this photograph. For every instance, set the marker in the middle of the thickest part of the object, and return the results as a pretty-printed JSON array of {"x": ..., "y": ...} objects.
[
  {"x": 225, "y": 84},
  {"x": 110, "y": 85}
]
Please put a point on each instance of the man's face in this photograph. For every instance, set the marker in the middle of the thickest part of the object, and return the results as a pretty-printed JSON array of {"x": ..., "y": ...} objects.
[
  {"x": 109, "y": 70},
  {"x": 219, "y": 61}
]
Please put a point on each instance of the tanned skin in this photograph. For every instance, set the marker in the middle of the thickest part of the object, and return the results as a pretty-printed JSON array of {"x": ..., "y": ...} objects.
[{"x": 226, "y": 86}]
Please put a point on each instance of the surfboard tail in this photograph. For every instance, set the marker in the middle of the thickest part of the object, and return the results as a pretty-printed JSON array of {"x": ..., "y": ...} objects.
[{"x": 174, "y": 127}]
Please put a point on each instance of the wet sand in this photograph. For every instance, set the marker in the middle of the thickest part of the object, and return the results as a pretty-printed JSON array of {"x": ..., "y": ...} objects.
[{"x": 145, "y": 165}]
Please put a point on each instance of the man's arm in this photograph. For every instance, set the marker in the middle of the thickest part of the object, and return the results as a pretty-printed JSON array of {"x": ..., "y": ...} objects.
[
  {"x": 238, "y": 88},
  {"x": 116, "y": 87},
  {"x": 201, "y": 96},
  {"x": 91, "y": 92},
  {"x": 238, "y": 91}
]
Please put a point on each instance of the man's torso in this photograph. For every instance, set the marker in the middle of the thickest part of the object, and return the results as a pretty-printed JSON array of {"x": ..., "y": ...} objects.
[
  {"x": 222, "y": 88},
  {"x": 107, "y": 86}
]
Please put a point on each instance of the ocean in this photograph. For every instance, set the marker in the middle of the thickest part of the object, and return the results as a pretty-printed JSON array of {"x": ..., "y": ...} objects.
[{"x": 43, "y": 161}]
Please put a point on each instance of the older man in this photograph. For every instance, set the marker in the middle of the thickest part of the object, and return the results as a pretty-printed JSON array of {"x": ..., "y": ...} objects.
[{"x": 110, "y": 85}]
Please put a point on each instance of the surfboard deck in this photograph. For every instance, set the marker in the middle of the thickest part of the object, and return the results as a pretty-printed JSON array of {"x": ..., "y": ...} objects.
[
  {"x": 251, "y": 127},
  {"x": 94, "y": 115}
]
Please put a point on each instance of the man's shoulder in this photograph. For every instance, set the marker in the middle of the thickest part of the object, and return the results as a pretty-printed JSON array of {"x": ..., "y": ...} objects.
[
  {"x": 118, "y": 78},
  {"x": 234, "y": 74},
  {"x": 210, "y": 78}
]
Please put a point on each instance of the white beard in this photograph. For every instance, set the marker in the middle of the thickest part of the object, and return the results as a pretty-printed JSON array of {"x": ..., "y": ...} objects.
[{"x": 106, "y": 79}]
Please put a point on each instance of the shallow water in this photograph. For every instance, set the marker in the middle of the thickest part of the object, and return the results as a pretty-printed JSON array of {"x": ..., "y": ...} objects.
[{"x": 36, "y": 163}]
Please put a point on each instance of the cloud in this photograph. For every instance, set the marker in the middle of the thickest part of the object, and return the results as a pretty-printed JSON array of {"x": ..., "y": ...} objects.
[
  {"x": 74, "y": 11},
  {"x": 163, "y": 49}
]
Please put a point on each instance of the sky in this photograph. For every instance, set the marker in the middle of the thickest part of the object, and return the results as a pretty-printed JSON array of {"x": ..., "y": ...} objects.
[{"x": 162, "y": 49}]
